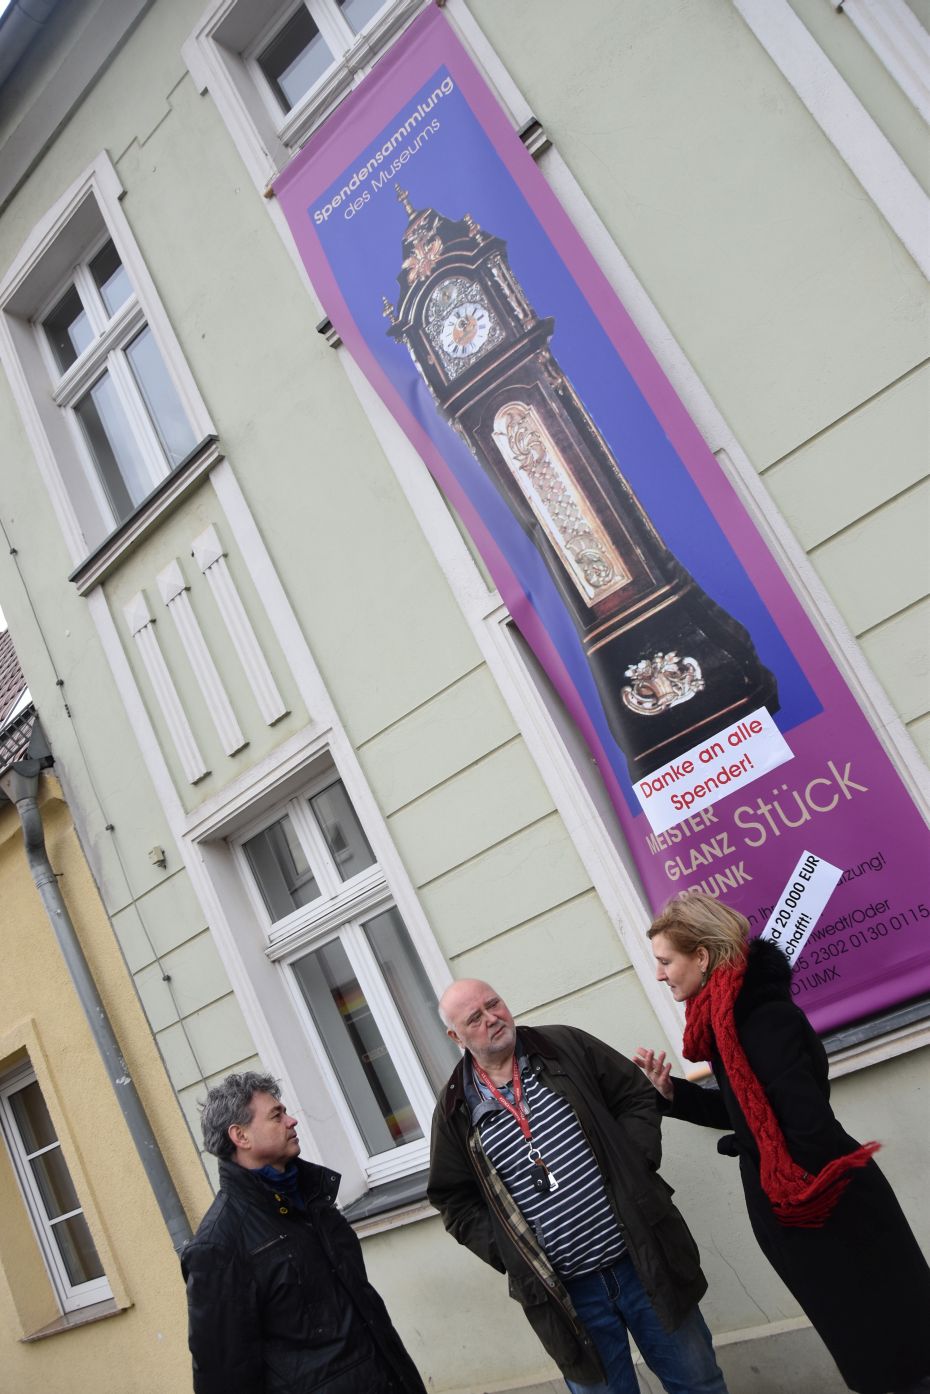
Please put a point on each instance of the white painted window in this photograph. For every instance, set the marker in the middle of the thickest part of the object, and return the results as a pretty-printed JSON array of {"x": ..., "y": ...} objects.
[
  {"x": 42, "y": 1172},
  {"x": 108, "y": 401},
  {"x": 275, "y": 71},
  {"x": 108, "y": 374},
  {"x": 364, "y": 995}
]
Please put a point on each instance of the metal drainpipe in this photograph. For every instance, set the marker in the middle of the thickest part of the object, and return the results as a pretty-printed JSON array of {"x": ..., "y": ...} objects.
[{"x": 20, "y": 784}]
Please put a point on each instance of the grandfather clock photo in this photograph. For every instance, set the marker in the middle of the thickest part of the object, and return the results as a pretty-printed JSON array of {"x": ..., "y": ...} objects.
[{"x": 671, "y": 666}]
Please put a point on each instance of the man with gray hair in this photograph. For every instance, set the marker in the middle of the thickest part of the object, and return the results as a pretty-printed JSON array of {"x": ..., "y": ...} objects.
[
  {"x": 544, "y": 1163},
  {"x": 277, "y": 1295}
]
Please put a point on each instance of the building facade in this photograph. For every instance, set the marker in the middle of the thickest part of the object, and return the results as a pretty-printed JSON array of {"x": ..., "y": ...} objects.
[{"x": 315, "y": 768}]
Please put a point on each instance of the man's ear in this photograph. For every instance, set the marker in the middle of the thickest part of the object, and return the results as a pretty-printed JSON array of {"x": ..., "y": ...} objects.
[
  {"x": 238, "y": 1136},
  {"x": 454, "y": 1037}
]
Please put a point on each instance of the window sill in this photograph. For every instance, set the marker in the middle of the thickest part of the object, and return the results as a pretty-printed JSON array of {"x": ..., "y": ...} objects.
[
  {"x": 161, "y": 501},
  {"x": 396, "y": 1203},
  {"x": 84, "y": 1316},
  {"x": 891, "y": 1033}
]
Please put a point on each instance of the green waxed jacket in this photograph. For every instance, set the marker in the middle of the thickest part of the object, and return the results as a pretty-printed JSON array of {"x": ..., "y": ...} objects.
[{"x": 616, "y": 1107}]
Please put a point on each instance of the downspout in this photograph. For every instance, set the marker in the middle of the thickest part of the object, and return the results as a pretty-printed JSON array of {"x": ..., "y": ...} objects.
[{"x": 20, "y": 783}]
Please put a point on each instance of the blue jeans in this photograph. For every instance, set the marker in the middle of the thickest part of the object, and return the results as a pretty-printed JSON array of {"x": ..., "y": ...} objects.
[{"x": 613, "y": 1305}]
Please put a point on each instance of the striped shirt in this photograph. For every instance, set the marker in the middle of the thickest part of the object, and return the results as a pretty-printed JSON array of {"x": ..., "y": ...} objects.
[{"x": 574, "y": 1223}]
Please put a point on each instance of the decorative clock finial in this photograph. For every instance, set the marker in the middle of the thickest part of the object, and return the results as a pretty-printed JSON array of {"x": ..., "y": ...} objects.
[
  {"x": 388, "y": 311},
  {"x": 473, "y": 229},
  {"x": 403, "y": 196}
]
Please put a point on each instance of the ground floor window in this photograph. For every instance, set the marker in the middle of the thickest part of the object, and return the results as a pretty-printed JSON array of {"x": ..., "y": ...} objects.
[
  {"x": 364, "y": 996},
  {"x": 48, "y": 1191}
]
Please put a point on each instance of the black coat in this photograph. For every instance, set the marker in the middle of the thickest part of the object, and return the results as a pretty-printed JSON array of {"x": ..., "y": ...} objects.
[
  {"x": 278, "y": 1300},
  {"x": 621, "y": 1123},
  {"x": 861, "y": 1279}
]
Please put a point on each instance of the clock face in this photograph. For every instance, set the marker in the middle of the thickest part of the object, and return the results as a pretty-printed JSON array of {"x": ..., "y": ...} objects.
[
  {"x": 459, "y": 323},
  {"x": 465, "y": 329}
]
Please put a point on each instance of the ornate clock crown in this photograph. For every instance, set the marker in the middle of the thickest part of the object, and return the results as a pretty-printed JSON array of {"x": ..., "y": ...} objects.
[{"x": 427, "y": 238}]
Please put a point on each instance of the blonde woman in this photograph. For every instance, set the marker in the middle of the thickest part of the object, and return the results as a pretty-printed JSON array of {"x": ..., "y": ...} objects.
[{"x": 822, "y": 1212}]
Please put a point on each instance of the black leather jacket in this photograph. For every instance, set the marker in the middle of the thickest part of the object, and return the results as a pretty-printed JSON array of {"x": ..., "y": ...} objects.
[{"x": 278, "y": 1299}]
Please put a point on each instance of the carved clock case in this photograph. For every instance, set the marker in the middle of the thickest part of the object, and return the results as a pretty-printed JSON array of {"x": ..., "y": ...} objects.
[{"x": 671, "y": 666}]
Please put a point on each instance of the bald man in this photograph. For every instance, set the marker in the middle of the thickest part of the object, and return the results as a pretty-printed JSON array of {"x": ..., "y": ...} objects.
[{"x": 544, "y": 1160}]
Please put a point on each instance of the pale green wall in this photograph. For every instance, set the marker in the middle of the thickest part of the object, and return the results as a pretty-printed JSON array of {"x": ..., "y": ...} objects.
[
  {"x": 804, "y": 318},
  {"x": 467, "y": 808}
]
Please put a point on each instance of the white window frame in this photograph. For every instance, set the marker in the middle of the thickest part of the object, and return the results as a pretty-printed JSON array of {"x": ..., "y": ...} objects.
[
  {"x": 331, "y": 85},
  {"x": 83, "y": 218},
  {"x": 71, "y": 1297},
  {"x": 338, "y": 913},
  {"x": 265, "y": 137},
  {"x": 105, "y": 355}
]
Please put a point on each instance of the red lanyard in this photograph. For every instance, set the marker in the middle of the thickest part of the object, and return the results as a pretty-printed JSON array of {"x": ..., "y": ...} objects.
[{"x": 518, "y": 1107}]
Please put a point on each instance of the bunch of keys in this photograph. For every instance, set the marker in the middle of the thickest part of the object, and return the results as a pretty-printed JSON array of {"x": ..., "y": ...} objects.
[{"x": 543, "y": 1179}]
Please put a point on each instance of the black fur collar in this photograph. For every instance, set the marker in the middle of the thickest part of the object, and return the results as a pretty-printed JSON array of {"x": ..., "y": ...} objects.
[{"x": 768, "y": 977}]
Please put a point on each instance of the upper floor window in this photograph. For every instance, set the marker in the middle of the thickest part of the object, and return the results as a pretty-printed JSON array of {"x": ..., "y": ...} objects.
[
  {"x": 307, "y": 43},
  {"x": 42, "y": 1172},
  {"x": 352, "y": 967},
  {"x": 275, "y": 71},
  {"x": 108, "y": 401},
  {"x": 110, "y": 378}
]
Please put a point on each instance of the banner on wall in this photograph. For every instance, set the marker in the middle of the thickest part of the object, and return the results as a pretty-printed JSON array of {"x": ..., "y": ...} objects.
[{"x": 729, "y": 742}]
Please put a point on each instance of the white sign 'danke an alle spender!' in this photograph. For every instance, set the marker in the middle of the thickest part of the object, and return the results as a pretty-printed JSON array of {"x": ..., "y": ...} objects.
[
  {"x": 801, "y": 904},
  {"x": 710, "y": 771}
]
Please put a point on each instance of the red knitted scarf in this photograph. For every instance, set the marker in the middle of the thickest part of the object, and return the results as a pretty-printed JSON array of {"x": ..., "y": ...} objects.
[{"x": 796, "y": 1197}]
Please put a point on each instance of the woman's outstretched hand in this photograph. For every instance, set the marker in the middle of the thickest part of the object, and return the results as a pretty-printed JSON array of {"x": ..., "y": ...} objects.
[{"x": 657, "y": 1070}]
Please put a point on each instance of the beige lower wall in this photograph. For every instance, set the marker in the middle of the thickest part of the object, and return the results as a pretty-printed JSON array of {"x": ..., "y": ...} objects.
[{"x": 143, "y": 1348}]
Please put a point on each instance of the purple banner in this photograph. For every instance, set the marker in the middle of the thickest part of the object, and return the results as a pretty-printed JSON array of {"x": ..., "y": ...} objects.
[{"x": 728, "y": 739}]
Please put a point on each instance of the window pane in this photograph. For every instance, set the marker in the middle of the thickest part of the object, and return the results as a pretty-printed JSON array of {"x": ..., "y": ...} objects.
[
  {"x": 339, "y": 824},
  {"x": 160, "y": 397},
  {"x": 110, "y": 278},
  {"x": 281, "y": 869},
  {"x": 32, "y": 1118},
  {"x": 54, "y": 1184},
  {"x": 413, "y": 995},
  {"x": 69, "y": 330},
  {"x": 77, "y": 1249},
  {"x": 296, "y": 59},
  {"x": 359, "y": 12},
  {"x": 356, "y": 1049},
  {"x": 113, "y": 447}
]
